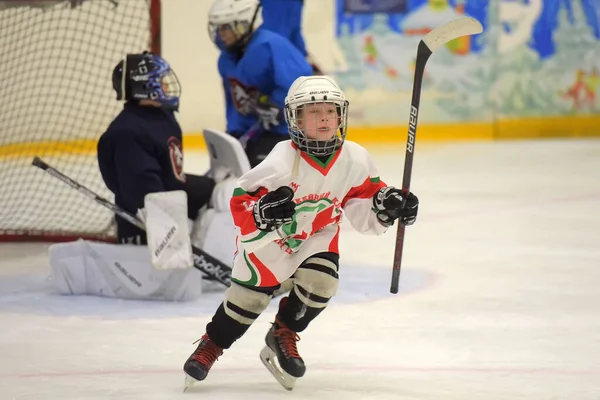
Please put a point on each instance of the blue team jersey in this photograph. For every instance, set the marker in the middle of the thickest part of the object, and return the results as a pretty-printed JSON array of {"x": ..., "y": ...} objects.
[{"x": 256, "y": 84}]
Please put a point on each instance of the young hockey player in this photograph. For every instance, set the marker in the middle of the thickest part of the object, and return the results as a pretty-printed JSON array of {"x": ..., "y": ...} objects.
[
  {"x": 287, "y": 211},
  {"x": 141, "y": 150},
  {"x": 140, "y": 158},
  {"x": 285, "y": 18},
  {"x": 257, "y": 68}
]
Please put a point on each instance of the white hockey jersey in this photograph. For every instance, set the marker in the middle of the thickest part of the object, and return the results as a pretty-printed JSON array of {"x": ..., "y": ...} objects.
[{"x": 323, "y": 192}]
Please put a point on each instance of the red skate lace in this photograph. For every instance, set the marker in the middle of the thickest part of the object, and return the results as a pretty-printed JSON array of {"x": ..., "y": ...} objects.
[
  {"x": 207, "y": 354},
  {"x": 288, "y": 339}
]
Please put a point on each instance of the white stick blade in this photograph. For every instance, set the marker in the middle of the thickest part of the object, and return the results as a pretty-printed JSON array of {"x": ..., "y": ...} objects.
[{"x": 441, "y": 35}]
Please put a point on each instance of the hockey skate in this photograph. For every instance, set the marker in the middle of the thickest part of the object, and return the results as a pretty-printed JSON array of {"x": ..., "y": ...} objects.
[
  {"x": 280, "y": 355},
  {"x": 198, "y": 365}
]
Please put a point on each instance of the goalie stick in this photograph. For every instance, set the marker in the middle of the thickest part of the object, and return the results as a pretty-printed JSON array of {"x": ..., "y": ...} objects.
[
  {"x": 202, "y": 260},
  {"x": 432, "y": 41}
]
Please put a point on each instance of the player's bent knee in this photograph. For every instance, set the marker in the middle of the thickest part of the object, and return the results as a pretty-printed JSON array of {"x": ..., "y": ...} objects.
[
  {"x": 245, "y": 305},
  {"x": 316, "y": 281}
]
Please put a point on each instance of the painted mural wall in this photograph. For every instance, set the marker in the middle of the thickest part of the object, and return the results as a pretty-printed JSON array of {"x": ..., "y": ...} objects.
[{"x": 535, "y": 58}]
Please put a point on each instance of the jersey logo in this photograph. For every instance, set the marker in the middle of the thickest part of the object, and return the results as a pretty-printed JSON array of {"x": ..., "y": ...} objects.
[
  {"x": 249, "y": 205},
  {"x": 176, "y": 154},
  {"x": 244, "y": 97},
  {"x": 311, "y": 216}
]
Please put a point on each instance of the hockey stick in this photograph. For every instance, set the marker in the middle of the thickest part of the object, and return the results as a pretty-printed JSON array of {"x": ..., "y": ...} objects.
[
  {"x": 252, "y": 132},
  {"x": 427, "y": 46},
  {"x": 202, "y": 261}
]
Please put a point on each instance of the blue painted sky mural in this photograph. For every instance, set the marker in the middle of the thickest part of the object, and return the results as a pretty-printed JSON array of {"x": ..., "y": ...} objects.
[
  {"x": 541, "y": 39},
  {"x": 535, "y": 58}
]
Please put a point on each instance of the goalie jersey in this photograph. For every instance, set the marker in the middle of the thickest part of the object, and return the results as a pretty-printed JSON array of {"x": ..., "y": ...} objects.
[
  {"x": 140, "y": 153},
  {"x": 324, "y": 191}
]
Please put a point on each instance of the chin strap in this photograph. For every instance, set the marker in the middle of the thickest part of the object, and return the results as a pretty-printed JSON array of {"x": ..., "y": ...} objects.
[
  {"x": 296, "y": 164},
  {"x": 241, "y": 43}
]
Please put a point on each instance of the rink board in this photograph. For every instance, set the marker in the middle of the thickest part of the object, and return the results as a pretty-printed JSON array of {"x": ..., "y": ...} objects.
[{"x": 527, "y": 128}]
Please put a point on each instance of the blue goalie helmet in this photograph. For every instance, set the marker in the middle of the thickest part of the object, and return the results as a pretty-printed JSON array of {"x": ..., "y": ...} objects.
[{"x": 147, "y": 77}]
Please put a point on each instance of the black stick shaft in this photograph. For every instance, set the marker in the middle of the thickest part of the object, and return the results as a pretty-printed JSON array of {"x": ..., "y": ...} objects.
[{"x": 423, "y": 54}]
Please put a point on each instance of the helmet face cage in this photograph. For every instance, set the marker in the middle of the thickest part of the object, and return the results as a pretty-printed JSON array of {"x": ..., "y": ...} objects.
[
  {"x": 317, "y": 127},
  {"x": 240, "y": 29},
  {"x": 149, "y": 77}
]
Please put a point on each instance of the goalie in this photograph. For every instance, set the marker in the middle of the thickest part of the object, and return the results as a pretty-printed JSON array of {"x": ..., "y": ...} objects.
[{"x": 140, "y": 157}]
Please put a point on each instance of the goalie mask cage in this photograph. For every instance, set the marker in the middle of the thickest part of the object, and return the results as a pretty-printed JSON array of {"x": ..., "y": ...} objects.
[{"x": 56, "y": 63}]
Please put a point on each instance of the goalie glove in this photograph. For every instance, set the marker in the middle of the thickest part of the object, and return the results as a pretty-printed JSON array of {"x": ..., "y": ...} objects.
[
  {"x": 274, "y": 209},
  {"x": 389, "y": 203}
]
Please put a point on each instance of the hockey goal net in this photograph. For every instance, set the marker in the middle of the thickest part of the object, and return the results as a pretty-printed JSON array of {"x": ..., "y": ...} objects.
[{"x": 56, "y": 61}]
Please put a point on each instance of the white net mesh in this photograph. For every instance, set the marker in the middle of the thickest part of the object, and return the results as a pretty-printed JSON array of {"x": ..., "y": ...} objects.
[{"x": 56, "y": 61}]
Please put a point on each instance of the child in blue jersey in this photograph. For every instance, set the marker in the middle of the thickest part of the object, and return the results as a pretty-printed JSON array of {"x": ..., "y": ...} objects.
[{"x": 257, "y": 68}]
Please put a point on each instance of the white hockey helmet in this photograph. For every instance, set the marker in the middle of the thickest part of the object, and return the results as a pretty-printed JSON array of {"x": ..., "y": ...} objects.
[
  {"x": 238, "y": 15},
  {"x": 316, "y": 89}
]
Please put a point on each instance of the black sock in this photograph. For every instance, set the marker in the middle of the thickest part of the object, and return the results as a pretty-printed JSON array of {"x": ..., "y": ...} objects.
[{"x": 224, "y": 330}]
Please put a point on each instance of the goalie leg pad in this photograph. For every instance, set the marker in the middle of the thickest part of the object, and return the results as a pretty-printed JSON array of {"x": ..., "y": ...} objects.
[
  {"x": 120, "y": 271},
  {"x": 166, "y": 218},
  {"x": 222, "y": 194},
  {"x": 315, "y": 283},
  {"x": 214, "y": 232}
]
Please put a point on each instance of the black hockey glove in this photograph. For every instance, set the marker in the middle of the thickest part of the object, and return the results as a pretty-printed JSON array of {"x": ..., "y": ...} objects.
[
  {"x": 389, "y": 200},
  {"x": 274, "y": 209}
]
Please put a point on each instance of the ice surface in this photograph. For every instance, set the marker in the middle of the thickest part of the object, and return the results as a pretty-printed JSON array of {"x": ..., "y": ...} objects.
[{"x": 499, "y": 300}]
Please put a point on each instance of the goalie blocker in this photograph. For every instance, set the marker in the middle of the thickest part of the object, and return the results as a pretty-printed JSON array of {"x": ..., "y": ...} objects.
[{"x": 162, "y": 270}]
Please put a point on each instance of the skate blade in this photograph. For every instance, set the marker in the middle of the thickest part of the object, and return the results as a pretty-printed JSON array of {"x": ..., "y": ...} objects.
[
  {"x": 269, "y": 359},
  {"x": 189, "y": 382}
]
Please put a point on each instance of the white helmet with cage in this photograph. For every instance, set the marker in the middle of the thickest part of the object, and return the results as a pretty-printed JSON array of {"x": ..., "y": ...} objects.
[
  {"x": 237, "y": 15},
  {"x": 316, "y": 112}
]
